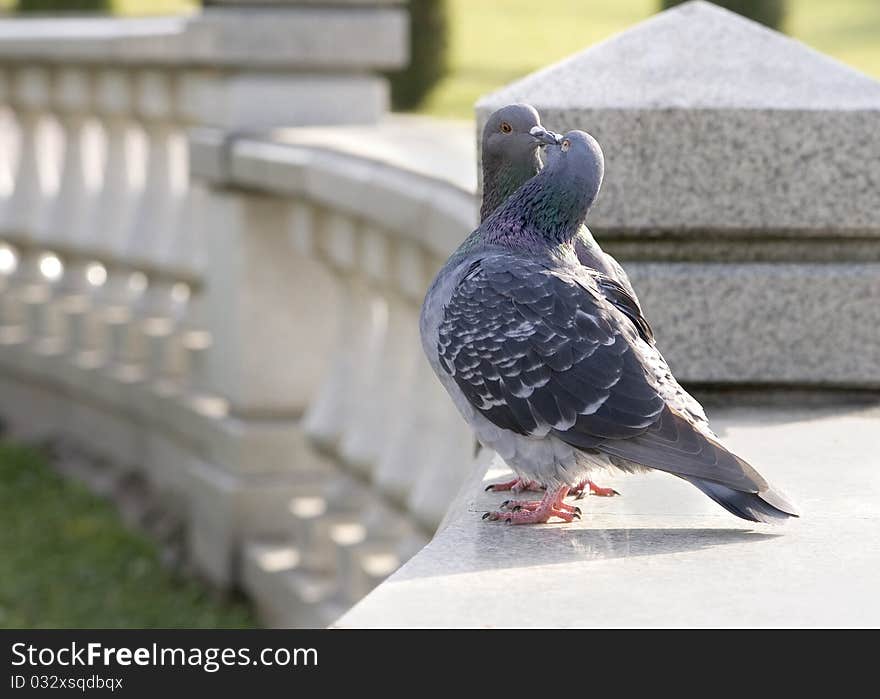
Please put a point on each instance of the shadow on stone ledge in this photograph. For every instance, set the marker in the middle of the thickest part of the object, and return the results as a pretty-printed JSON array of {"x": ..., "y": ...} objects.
[{"x": 497, "y": 546}]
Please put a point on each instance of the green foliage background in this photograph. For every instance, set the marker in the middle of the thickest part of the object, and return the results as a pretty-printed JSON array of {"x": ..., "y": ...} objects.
[
  {"x": 428, "y": 53},
  {"x": 769, "y": 12}
]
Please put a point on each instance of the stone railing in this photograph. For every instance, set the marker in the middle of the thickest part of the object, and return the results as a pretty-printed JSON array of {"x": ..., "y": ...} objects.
[
  {"x": 244, "y": 341},
  {"x": 340, "y": 230}
]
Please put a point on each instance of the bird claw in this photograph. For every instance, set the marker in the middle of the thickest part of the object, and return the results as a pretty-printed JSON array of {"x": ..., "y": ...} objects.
[
  {"x": 516, "y": 505},
  {"x": 495, "y": 516},
  {"x": 536, "y": 512},
  {"x": 603, "y": 492},
  {"x": 517, "y": 485},
  {"x": 582, "y": 491}
]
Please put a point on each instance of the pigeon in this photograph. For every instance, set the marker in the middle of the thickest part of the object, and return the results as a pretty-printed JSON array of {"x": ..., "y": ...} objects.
[
  {"x": 509, "y": 153},
  {"x": 553, "y": 375},
  {"x": 509, "y": 149}
]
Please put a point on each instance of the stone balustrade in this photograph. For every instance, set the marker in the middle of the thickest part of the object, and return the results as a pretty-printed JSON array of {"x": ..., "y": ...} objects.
[
  {"x": 345, "y": 234},
  {"x": 214, "y": 245},
  {"x": 231, "y": 321}
]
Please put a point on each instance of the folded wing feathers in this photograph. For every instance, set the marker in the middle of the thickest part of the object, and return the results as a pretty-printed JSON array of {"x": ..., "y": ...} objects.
[{"x": 538, "y": 352}]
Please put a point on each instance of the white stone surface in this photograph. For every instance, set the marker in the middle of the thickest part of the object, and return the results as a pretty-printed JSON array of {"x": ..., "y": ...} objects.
[
  {"x": 663, "y": 554},
  {"x": 225, "y": 509},
  {"x": 249, "y": 100},
  {"x": 412, "y": 176},
  {"x": 308, "y": 37},
  {"x": 263, "y": 366},
  {"x": 440, "y": 149}
]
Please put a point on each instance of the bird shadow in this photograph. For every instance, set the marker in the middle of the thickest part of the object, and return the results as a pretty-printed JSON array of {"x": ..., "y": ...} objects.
[{"x": 497, "y": 546}]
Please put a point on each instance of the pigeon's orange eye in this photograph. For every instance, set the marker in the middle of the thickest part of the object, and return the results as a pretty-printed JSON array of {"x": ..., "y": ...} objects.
[
  {"x": 505, "y": 127},
  {"x": 566, "y": 144}
]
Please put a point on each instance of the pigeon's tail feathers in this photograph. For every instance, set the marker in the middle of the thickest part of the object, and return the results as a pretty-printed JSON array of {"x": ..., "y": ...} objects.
[
  {"x": 768, "y": 506},
  {"x": 677, "y": 446}
]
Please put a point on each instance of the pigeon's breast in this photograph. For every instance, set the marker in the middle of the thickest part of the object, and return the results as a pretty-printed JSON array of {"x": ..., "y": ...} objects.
[{"x": 547, "y": 459}]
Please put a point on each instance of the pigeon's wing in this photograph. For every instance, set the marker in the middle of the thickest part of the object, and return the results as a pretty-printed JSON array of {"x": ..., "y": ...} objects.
[
  {"x": 626, "y": 303},
  {"x": 538, "y": 351},
  {"x": 614, "y": 284},
  {"x": 675, "y": 396},
  {"x": 621, "y": 277}
]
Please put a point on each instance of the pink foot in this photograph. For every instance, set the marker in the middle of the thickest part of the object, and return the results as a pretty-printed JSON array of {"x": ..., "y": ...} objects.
[
  {"x": 515, "y": 505},
  {"x": 517, "y": 485},
  {"x": 537, "y": 512},
  {"x": 578, "y": 490}
]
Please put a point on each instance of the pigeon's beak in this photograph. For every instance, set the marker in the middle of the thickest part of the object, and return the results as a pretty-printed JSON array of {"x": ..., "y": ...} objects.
[{"x": 545, "y": 137}]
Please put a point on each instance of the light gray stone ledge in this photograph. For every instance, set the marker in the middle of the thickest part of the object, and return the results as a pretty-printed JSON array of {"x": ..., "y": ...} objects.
[
  {"x": 406, "y": 175},
  {"x": 662, "y": 554}
]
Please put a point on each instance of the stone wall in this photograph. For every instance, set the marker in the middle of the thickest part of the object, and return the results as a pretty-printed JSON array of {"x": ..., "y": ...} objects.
[{"x": 741, "y": 193}]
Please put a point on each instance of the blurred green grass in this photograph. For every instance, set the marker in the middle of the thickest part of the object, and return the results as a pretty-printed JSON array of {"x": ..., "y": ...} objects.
[
  {"x": 494, "y": 42},
  {"x": 67, "y": 561}
]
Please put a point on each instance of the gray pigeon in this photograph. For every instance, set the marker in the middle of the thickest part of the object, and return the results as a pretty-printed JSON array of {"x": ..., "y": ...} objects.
[
  {"x": 550, "y": 373},
  {"x": 511, "y": 139},
  {"x": 509, "y": 149},
  {"x": 509, "y": 153}
]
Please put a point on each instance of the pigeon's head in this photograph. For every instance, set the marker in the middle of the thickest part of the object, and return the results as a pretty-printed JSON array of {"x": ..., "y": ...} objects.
[
  {"x": 578, "y": 162},
  {"x": 514, "y": 133},
  {"x": 552, "y": 205}
]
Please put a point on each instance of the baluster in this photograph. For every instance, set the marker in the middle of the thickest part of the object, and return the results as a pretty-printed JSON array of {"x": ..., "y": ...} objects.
[
  {"x": 71, "y": 210},
  {"x": 8, "y": 258},
  {"x": 329, "y": 411},
  {"x": 176, "y": 351},
  {"x": 110, "y": 290},
  {"x": 397, "y": 467},
  {"x": 154, "y": 220},
  {"x": 8, "y": 146},
  {"x": 92, "y": 310},
  {"x": 8, "y": 306},
  {"x": 372, "y": 388},
  {"x": 445, "y": 458},
  {"x": 28, "y": 204}
]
